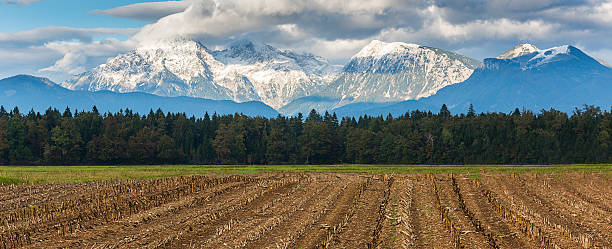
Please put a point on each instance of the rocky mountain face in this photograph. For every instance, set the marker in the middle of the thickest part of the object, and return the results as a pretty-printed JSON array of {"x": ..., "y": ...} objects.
[
  {"x": 168, "y": 68},
  {"x": 389, "y": 72},
  {"x": 278, "y": 76},
  {"x": 386, "y": 72},
  {"x": 245, "y": 71},
  {"x": 519, "y": 50}
]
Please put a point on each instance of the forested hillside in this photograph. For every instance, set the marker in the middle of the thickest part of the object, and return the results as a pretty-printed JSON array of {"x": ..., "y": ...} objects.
[{"x": 520, "y": 137}]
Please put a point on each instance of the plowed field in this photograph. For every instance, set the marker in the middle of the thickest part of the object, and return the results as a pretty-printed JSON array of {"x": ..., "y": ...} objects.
[{"x": 313, "y": 210}]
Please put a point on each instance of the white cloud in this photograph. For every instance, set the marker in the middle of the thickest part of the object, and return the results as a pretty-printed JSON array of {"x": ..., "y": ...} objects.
[
  {"x": 27, "y": 56},
  {"x": 435, "y": 31},
  {"x": 67, "y": 50},
  {"x": 78, "y": 54},
  {"x": 71, "y": 63},
  {"x": 313, "y": 25},
  {"x": 437, "y": 27},
  {"x": 208, "y": 18},
  {"x": 149, "y": 11},
  {"x": 335, "y": 50},
  {"x": 40, "y": 36},
  {"x": 597, "y": 16}
]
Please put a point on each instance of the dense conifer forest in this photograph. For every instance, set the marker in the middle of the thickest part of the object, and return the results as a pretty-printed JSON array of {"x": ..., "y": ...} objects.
[{"x": 519, "y": 137}]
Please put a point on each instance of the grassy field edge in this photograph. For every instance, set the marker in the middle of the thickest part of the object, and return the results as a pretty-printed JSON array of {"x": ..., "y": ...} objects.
[{"x": 78, "y": 174}]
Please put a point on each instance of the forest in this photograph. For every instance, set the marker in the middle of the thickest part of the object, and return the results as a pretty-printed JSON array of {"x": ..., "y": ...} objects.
[{"x": 417, "y": 137}]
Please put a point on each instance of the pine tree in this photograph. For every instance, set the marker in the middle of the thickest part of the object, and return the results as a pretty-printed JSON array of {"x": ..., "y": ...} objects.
[
  {"x": 444, "y": 112},
  {"x": 95, "y": 110},
  {"x": 471, "y": 112},
  {"x": 67, "y": 113},
  {"x": 3, "y": 113}
]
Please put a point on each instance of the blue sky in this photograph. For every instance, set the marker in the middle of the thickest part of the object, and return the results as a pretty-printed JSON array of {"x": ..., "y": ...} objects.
[
  {"x": 61, "y": 38},
  {"x": 69, "y": 13}
]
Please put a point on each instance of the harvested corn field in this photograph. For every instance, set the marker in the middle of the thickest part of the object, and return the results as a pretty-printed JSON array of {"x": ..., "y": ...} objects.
[{"x": 313, "y": 210}]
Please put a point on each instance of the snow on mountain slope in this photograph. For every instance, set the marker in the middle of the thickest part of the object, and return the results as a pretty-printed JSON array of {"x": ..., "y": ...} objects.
[
  {"x": 385, "y": 72},
  {"x": 245, "y": 71},
  {"x": 518, "y": 51},
  {"x": 548, "y": 55},
  {"x": 532, "y": 57},
  {"x": 278, "y": 76},
  {"x": 544, "y": 57},
  {"x": 181, "y": 67},
  {"x": 177, "y": 67},
  {"x": 378, "y": 49}
]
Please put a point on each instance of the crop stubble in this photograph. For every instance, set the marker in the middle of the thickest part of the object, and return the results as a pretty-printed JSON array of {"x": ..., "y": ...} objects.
[{"x": 313, "y": 210}]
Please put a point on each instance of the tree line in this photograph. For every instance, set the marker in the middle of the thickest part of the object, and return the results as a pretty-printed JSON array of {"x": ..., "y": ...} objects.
[{"x": 417, "y": 137}]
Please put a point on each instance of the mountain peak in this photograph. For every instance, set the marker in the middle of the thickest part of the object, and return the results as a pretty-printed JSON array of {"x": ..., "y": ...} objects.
[
  {"x": 247, "y": 49},
  {"x": 379, "y": 49},
  {"x": 30, "y": 78},
  {"x": 554, "y": 54},
  {"x": 171, "y": 44},
  {"x": 397, "y": 71},
  {"x": 246, "y": 52},
  {"x": 551, "y": 52},
  {"x": 518, "y": 51},
  {"x": 245, "y": 44},
  {"x": 567, "y": 56}
]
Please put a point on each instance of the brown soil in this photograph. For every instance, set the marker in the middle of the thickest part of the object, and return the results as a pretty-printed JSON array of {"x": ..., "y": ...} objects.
[
  {"x": 505, "y": 235},
  {"x": 522, "y": 193},
  {"x": 312, "y": 211},
  {"x": 470, "y": 236}
]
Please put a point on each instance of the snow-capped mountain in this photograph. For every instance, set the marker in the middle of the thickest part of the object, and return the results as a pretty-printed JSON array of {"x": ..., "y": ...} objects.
[
  {"x": 178, "y": 67},
  {"x": 524, "y": 49},
  {"x": 385, "y": 72},
  {"x": 519, "y": 50},
  {"x": 278, "y": 76},
  {"x": 561, "y": 77},
  {"x": 181, "y": 67},
  {"x": 560, "y": 53}
]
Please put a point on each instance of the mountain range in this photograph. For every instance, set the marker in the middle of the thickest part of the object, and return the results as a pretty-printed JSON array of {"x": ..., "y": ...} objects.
[
  {"x": 249, "y": 71},
  {"x": 563, "y": 78},
  {"x": 387, "y": 72},
  {"x": 182, "y": 74},
  {"x": 245, "y": 71},
  {"x": 35, "y": 93}
]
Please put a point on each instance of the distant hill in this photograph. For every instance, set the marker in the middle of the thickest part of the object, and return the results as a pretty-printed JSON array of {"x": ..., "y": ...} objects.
[{"x": 30, "y": 92}]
